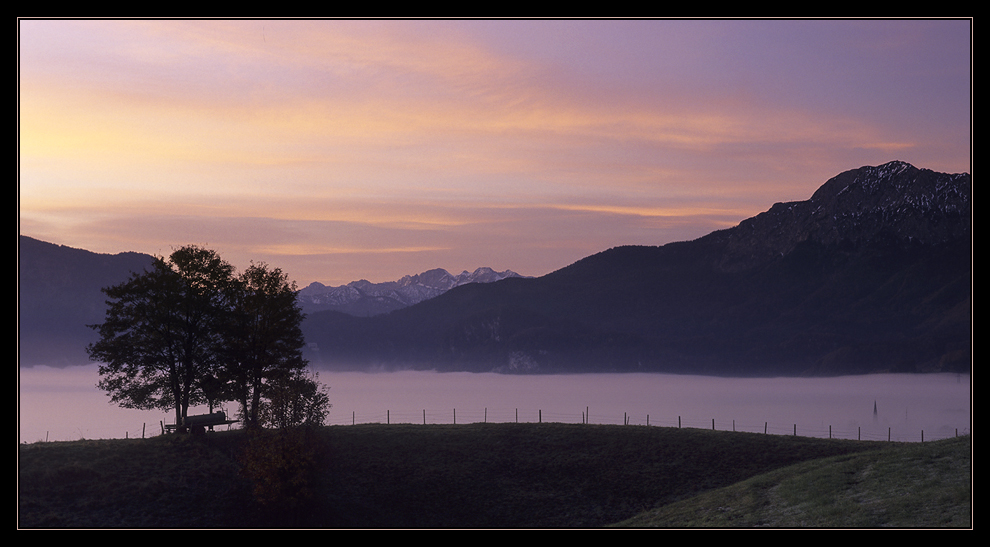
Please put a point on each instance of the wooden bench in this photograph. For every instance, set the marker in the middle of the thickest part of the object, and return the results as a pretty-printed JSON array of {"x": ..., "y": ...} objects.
[{"x": 199, "y": 423}]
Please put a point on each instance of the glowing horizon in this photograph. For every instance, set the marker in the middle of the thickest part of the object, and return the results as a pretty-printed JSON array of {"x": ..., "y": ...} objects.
[{"x": 344, "y": 150}]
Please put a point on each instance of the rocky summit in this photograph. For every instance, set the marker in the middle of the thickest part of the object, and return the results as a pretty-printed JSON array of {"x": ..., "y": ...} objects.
[{"x": 894, "y": 201}]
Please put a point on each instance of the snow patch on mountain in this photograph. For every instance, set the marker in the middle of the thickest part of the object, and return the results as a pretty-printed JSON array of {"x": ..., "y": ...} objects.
[{"x": 366, "y": 298}]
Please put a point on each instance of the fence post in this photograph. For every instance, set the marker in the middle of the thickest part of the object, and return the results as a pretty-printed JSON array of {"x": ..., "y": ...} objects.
[
  {"x": 678, "y": 422},
  {"x": 424, "y": 416},
  {"x": 713, "y": 424},
  {"x": 764, "y": 428},
  {"x": 455, "y": 416}
]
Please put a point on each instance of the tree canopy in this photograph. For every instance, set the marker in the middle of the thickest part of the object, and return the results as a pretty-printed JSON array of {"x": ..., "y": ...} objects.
[
  {"x": 189, "y": 331},
  {"x": 264, "y": 338}
]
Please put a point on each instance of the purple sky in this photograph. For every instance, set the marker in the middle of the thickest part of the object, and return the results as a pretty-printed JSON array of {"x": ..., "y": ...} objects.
[{"x": 342, "y": 150}]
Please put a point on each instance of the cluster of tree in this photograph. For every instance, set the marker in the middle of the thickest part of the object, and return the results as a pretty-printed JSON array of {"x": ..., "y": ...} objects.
[{"x": 190, "y": 331}]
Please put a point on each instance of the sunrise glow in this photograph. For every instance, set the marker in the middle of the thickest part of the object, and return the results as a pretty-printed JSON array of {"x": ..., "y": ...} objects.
[{"x": 341, "y": 150}]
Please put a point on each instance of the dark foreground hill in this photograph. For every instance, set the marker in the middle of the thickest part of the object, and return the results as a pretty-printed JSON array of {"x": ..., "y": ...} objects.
[
  {"x": 496, "y": 476},
  {"x": 871, "y": 274}
]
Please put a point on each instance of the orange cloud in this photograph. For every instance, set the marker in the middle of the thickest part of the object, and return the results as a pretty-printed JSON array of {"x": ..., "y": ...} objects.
[{"x": 418, "y": 135}]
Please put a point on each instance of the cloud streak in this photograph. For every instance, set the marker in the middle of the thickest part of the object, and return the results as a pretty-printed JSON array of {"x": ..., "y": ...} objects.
[{"x": 379, "y": 146}]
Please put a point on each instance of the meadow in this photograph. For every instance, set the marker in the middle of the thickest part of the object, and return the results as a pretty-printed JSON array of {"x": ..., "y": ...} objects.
[{"x": 505, "y": 475}]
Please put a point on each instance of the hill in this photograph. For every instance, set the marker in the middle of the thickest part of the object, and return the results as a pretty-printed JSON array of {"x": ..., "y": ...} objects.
[
  {"x": 497, "y": 476},
  {"x": 871, "y": 274},
  {"x": 913, "y": 486},
  {"x": 59, "y": 294}
]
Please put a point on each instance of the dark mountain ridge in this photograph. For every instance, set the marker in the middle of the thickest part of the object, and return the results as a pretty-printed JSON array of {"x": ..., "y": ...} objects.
[
  {"x": 895, "y": 200},
  {"x": 59, "y": 294},
  {"x": 872, "y": 273}
]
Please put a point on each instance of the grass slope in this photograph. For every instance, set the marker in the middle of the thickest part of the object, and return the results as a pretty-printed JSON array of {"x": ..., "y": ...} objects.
[
  {"x": 912, "y": 486},
  {"x": 479, "y": 476}
]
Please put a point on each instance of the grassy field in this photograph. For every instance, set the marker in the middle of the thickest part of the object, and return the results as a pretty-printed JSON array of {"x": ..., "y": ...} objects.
[
  {"x": 493, "y": 476},
  {"x": 913, "y": 486}
]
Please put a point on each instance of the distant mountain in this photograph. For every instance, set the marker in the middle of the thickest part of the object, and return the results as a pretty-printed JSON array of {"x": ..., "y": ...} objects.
[
  {"x": 364, "y": 298},
  {"x": 872, "y": 273},
  {"x": 59, "y": 294}
]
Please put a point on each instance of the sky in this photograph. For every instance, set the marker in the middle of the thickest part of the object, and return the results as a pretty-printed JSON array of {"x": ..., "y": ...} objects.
[{"x": 340, "y": 150}]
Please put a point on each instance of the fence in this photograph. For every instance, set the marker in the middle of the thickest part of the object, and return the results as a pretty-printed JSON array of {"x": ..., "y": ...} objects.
[{"x": 870, "y": 432}]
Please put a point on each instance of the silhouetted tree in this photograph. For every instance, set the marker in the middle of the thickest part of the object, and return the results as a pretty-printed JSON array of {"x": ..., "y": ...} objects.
[
  {"x": 295, "y": 399},
  {"x": 283, "y": 461},
  {"x": 188, "y": 331},
  {"x": 263, "y": 339},
  {"x": 161, "y": 336}
]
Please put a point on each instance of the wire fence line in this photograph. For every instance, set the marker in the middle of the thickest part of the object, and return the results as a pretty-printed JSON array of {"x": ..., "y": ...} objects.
[{"x": 871, "y": 432}]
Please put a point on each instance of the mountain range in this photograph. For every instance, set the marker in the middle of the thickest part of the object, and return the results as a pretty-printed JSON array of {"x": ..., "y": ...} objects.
[
  {"x": 364, "y": 298},
  {"x": 872, "y": 273},
  {"x": 59, "y": 294}
]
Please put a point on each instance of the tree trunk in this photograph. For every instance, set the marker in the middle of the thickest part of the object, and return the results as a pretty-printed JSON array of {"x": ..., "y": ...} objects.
[
  {"x": 256, "y": 401},
  {"x": 244, "y": 409}
]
